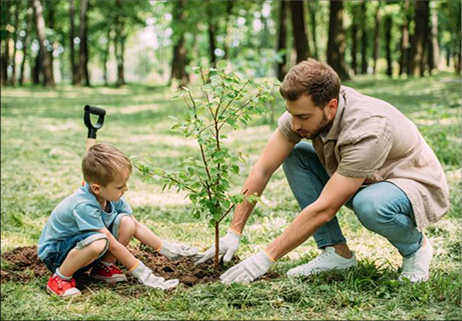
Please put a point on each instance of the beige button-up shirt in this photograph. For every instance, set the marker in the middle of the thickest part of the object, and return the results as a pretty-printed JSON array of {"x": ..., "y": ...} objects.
[{"x": 372, "y": 139}]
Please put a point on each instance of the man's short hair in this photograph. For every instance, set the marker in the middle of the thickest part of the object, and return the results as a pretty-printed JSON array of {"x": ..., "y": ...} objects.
[
  {"x": 102, "y": 163},
  {"x": 311, "y": 78}
]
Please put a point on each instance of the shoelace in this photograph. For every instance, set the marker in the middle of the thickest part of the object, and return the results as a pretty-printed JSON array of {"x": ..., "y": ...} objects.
[{"x": 319, "y": 257}]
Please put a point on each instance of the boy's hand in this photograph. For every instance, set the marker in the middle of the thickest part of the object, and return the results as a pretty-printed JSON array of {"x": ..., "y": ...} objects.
[
  {"x": 175, "y": 251},
  {"x": 145, "y": 276}
]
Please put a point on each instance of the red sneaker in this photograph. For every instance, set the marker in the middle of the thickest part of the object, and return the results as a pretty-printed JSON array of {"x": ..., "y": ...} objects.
[
  {"x": 110, "y": 273},
  {"x": 62, "y": 288}
]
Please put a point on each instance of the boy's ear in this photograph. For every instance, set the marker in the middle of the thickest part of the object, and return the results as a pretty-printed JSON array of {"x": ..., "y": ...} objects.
[{"x": 95, "y": 188}]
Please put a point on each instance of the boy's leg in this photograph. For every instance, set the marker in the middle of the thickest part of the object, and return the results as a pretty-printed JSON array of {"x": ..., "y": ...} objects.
[
  {"x": 72, "y": 256},
  {"x": 307, "y": 177},
  {"x": 386, "y": 210},
  {"x": 123, "y": 228}
]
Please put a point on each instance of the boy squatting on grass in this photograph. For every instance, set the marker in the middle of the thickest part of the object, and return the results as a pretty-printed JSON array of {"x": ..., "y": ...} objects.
[{"x": 92, "y": 227}]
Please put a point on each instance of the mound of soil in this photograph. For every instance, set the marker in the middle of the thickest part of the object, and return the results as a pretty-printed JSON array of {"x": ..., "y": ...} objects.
[{"x": 23, "y": 265}]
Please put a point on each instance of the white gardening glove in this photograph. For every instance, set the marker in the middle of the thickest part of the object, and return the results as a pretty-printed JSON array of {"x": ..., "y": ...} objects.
[
  {"x": 249, "y": 269},
  {"x": 228, "y": 246},
  {"x": 145, "y": 276},
  {"x": 175, "y": 251}
]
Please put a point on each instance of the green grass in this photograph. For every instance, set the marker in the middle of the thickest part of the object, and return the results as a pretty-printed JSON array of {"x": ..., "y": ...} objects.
[{"x": 43, "y": 139}]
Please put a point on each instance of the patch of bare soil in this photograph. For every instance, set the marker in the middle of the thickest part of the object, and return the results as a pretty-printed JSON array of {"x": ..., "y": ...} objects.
[{"x": 23, "y": 265}]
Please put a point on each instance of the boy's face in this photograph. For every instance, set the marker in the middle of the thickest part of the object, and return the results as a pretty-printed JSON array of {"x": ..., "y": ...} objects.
[{"x": 114, "y": 190}]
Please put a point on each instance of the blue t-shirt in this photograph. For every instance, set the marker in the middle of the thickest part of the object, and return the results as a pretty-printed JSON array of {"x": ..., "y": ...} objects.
[{"x": 78, "y": 213}]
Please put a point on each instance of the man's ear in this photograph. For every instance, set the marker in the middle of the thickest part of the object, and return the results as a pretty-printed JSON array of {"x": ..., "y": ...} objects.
[
  {"x": 95, "y": 188},
  {"x": 332, "y": 106}
]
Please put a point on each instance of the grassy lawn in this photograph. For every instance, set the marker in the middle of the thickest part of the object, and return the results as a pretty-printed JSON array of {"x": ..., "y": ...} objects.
[{"x": 43, "y": 140}]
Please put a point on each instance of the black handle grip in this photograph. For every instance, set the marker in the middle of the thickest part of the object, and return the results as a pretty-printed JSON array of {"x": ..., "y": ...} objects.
[{"x": 92, "y": 129}]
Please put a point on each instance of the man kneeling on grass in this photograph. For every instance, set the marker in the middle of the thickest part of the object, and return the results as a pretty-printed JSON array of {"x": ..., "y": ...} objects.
[
  {"x": 365, "y": 154},
  {"x": 92, "y": 227}
]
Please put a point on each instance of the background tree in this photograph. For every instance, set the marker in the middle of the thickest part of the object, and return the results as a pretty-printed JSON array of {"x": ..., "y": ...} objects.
[
  {"x": 364, "y": 35},
  {"x": 376, "y": 51},
  {"x": 83, "y": 44},
  {"x": 299, "y": 30},
  {"x": 44, "y": 54},
  {"x": 336, "y": 41},
  {"x": 419, "y": 39},
  {"x": 281, "y": 66}
]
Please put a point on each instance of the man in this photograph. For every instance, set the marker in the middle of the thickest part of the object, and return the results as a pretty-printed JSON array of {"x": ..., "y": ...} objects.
[{"x": 365, "y": 154}]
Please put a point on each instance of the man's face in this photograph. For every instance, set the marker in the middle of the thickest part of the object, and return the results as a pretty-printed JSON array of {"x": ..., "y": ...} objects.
[
  {"x": 309, "y": 120},
  {"x": 114, "y": 190}
]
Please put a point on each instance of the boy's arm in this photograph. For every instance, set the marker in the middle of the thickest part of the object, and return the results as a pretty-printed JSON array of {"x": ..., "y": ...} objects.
[{"x": 171, "y": 250}]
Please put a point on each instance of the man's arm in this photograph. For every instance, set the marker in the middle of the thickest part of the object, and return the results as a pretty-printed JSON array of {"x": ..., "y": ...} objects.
[
  {"x": 276, "y": 151},
  {"x": 336, "y": 192}
]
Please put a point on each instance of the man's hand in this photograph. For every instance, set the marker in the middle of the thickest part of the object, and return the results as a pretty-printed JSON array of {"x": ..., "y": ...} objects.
[
  {"x": 249, "y": 269},
  {"x": 145, "y": 276},
  {"x": 228, "y": 246},
  {"x": 175, "y": 251}
]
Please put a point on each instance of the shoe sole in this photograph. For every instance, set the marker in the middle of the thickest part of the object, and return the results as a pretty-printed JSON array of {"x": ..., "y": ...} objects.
[
  {"x": 53, "y": 293},
  {"x": 122, "y": 278}
]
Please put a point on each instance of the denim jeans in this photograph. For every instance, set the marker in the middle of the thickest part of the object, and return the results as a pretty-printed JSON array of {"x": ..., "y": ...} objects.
[{"x": 382, "y": 207}]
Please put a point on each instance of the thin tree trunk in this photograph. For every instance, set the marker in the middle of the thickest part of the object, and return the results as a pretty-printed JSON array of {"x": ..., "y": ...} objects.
[
  {"x": 106, "y": 56},
  {"x": 388, "y": 25},
  {"x": 336, "y": 41},
  {"x": 299, "y": 30},
  {"x": 354, "y": 40},
  {"x": 179, "y": 61},
  {"x": 83, "y": 47},
  {"x": 403, "y": 61},
  {"x": 45, "y": 61},
  {"x": 26, "y": 44},
  {"x": 50, "y": 9},
  {"x": 15, "y": 39},
  {"x": 226, "y": 46},
  {"x": 376, "y": 37},
  {"x": 364, "y": 41},
  {"x": 281, "y": 66},
  {"x": 74, "y": 68},
  {"x": 212, "y": 44},
  {"x": 5, "y": 44},
  {"x": 421, "y": 19},
  {"x": 313, "y": 11},
  {"x": 120, "y": 44},
  {"x": 434, "y": 40}
]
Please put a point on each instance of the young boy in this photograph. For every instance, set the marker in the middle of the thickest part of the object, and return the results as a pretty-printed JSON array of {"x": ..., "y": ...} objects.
[{"x": 92, "y": 227}]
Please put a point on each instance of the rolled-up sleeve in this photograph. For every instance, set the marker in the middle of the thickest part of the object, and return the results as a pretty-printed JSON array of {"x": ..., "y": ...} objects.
[
  {"x": 284, "y": 125},
  {"x": 364, "y": 157}
]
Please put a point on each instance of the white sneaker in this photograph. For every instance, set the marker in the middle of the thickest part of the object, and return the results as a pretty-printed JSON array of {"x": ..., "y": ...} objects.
[
  {"x": 328, "y": 260},
  {"x": 416, "y": 268}
]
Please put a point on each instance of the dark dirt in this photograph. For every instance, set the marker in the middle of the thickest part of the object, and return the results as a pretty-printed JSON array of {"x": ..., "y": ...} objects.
[{"x": 24, "y": 265}]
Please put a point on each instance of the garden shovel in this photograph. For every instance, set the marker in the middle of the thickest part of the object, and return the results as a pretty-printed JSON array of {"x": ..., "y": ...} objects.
[{"x": 92, "y": 129}]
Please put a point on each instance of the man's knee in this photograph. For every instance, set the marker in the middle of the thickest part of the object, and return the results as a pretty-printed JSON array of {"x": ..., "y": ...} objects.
[{"x": 368, "y": 211}]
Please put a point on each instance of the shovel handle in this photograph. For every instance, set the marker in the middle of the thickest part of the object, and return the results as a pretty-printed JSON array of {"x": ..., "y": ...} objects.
[{"x": 92, "y": 129}]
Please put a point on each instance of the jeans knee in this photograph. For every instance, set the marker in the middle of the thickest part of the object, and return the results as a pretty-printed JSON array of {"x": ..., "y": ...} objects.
[
  {"x": 299, "y": 154},
  {"x": 368, "y": 212}
]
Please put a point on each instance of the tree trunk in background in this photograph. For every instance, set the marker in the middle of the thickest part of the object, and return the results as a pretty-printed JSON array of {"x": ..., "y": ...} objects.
[
  {"x": 15, "y": 39},
  {"x": 281, "y": 67},
  {"x": 421, "y": 19},
  {"x": 388, "y": 25},
  {"x": 354, "y": 40},
  {"x": 226, "y": 46},
  {"x": 179, "y": 61},
  {"x": 74, "y": 68},
  {"x": 312, "y": 10},
  {"x": 26, "y": 43},
  {"x": 50, "y": 9},
  {"x": 458, "y": 42},
  {"x": 435, "y": 61},
  {"x": 5, "y": 60},
  {"x": 106, "y": 56},
  {"x": 364, "y": 38},
  {"x": 403, "y": 60},
  {"x": 212, "y": 44},
  {"x": 299, "y": 30},
  {"x": 336, "y": 40},
  {"x": 376, "y": 37},
  {"x": 119, "y": 43},
  {"x": 83, "y": 48},
  {"x": 44, "y": 56}
]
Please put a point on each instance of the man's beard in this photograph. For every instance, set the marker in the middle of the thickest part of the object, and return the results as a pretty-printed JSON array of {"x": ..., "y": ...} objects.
[{"x": 325, "y": 124}]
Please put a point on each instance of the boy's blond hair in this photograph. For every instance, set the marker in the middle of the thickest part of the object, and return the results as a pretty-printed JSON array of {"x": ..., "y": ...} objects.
[{"x": 102, "y": 163}]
